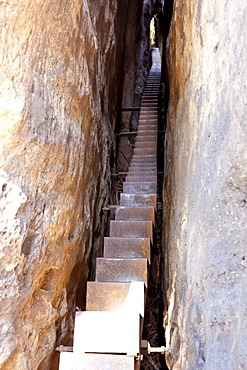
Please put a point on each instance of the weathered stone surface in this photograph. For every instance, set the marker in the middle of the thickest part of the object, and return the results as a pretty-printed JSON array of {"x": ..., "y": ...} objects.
[
  {"x": 58, "y": 98},
  {"x": 205, "y": 187}
]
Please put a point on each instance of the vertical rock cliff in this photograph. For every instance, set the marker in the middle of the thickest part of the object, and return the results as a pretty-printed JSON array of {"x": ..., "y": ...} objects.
[
  {"x": 205, "y": 186},
  {"x": 58, "y": 96}
]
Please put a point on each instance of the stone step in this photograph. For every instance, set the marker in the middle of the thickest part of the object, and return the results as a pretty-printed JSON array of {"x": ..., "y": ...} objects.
[
  {"x": 138, "y": 200},
  {"x": 127, "y": 247},
  {"x": 135, "y": 213},
  {"x": 131, "y": 229},
  {"x": 141, "y": 178},
  {"x": 107, "y": 332},
  {"x": 105, "y": 296},
  {"x": 92, "y": 361},
  {"x": 123, "y": 270},
  {"x": 143, "y": 188}
]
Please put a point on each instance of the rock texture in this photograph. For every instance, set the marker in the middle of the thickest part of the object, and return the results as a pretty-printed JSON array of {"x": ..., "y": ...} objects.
[
  {"x": 58, "y": 90},
  {"x": 205, "y": 187}
]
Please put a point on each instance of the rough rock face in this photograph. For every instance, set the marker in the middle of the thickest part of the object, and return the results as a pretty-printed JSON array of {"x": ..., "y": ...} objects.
[
  {"x": 205, "y": 187},
  {"x": 58, "y": 108}
]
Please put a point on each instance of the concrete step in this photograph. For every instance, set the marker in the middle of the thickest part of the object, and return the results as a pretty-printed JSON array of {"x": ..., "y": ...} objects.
[
  {"x": 143, "y": 178},
  {"x": 127, "y": 248},
  {"x": 107, "y": 332},
  {"x": 138, "y": 200},
  {"x": 135, "y": 213},
  {"x": 123, "y": 270},
  {"x": 131, "y": 229},
  {"x": 105, "y": 296},
  {"x": 92, "y": 361},
  {"x": 143, "y": 188}
]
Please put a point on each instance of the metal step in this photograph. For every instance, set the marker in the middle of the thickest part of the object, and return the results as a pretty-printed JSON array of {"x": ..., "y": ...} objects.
[
  {"x": 148, "y": 165},
  {"x": 123, "y": 270},
  {"x": 143, "y": 188},
  {"x": 107, "y": 332},
  {"x": 138, "y": 200},
  {"x": 141, "y": 178},
  {"x": 127, "y": 248},
  {"x": 149, "y": 138},
  {"x": 79, "y": 361},
  {"x": 146, "y": 144},
  {"x": 140, "y": 167},
  {"x": 147, "y": 133},
  {"x": 131, "y": 229},
  {"x": 107, "y": 296},
  {"x": 145, "y": 151},
  {"x": 142, "y": 172},
  {"x": 135, "y": 213}
]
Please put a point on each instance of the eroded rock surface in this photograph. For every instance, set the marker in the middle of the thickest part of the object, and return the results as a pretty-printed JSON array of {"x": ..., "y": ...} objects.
[
  {"x": 58, "y": 109},
  {"x": 205, "y": 187}
]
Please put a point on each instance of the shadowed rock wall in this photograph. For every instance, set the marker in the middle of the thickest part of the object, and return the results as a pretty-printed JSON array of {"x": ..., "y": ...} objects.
[
  {"x": 57, "y": 108},
  {"x": 205, "y": 187}
]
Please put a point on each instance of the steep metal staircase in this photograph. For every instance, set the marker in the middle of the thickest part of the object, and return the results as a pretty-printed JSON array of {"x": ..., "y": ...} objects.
[{"x": 108, "y": 335}]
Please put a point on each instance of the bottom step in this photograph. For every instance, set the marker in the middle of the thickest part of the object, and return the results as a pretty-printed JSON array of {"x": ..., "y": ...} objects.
[
  {"x": 75, "y": 361},
  {"x": 107, "y": 332}
]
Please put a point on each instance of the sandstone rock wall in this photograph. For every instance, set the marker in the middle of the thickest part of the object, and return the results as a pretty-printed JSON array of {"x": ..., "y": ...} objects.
[
  {"x": 205, "y": 186},
  {"x": 58, "y": 96}
]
